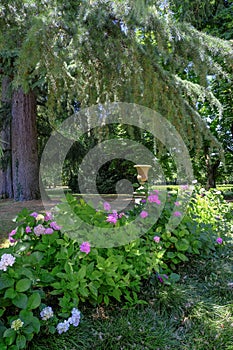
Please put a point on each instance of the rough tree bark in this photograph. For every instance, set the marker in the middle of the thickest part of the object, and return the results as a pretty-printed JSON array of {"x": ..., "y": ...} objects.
[
  {"x": 25, "y": 167},
  {"x": 6, "y": 189}
]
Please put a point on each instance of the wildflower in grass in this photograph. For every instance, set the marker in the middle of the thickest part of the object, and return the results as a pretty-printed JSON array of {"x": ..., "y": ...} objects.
[
  {"x": 107, "y": 206},
  {"x": 112, "y": 218},
  {"x": 143, "y": 201},
  {"x": 48, "y": 231},
  {"x": 121, "y": 215},
  {"x": 219, "y": 240},
  {"x": 194, "y": 182},
  {"x": 85, "y": 247},
  {"x": 55, "y": 226},
  {"x": 143, "y": 214},
  {"x": 75, "y": 318},
  {"x": 63, "y": 327},
  {"x": 46, "y": 313},
  {"x": 39, "y": 230},
  {"x": 177, "y": 204},
  {"x": 17, "y": 324},
  {"x": 12, "y": 233},
  {"x": 6, "y": 260},
  {"x": 177, "y": 213},
  {"x": 153, "y": 198},
  {"x": 157, "y": 239},
  {"x": 40, "y": 217},
  {"x": 34, "y": 214},
  {"x": 28, "y": 229},
  {"x": 48, "y": 216}
]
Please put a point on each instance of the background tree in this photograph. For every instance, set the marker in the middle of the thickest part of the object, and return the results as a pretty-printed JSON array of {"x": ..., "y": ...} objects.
[{"x": 96, "y": 51}]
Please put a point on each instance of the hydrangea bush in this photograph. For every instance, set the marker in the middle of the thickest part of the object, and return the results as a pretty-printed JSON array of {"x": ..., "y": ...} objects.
[{"x": 45, "y": 275}]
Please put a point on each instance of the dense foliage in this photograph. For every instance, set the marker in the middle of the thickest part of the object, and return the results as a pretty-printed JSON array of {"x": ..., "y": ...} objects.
[{"x": 45, "y": 275}]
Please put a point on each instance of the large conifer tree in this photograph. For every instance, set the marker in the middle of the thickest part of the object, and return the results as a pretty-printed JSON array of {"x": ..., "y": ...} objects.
[{"x": 97, "y": 51}]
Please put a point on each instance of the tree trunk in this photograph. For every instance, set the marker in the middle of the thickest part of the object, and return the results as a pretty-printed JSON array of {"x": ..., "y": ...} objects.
[
  {"x": 6, "y": 189},
  {"x": 211, "y": 172},
  {"x": 25, "y": 167}
]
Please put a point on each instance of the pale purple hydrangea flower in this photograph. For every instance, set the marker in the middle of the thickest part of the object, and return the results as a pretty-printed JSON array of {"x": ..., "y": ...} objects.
[
  {"x": 34, "y": 214},
  {"x": 55, "y": 226},
  {"x": 48, "y": 231},
  {"x": 219, "y": 240},
  {"x": 177, "y": 213},
  {"x": 63, "y": 327},
  {"x": 75, "y": 318},
  {"x": 46, "y": 313},
  {"x": 177, "y": 204},
  {"x": 39, "y": 230},
  {"x": 156, "y": 191},
  {"x": 48, "y": 216},
  {"x": 28, "y": 229},
  {"x": 107, "y": 206},
  {"x": 85, "y": 247},
  {"x": 143, "y": 214},
  {"x": 157, "y": 239},
  {"x": 6, "y": 260},
  {"x": 153, "y": 198}
]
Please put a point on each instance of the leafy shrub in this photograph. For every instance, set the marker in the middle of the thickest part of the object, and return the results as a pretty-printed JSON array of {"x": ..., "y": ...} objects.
[{"x": 45, "y": 266}]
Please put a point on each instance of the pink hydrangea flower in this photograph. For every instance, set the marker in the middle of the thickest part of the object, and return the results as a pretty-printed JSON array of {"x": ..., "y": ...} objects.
[
  {"x": 219, "y": 240},
  {"x": 157, "y": 239},
  {"x": 177, "y": 204},
  {"x": 121, "y": 214},
  {"x": 12, "y": 233},
  {"x": 48, "y": 231},
  {"x": 107, "y": 206},
  {"x": 143, "y": 214},
  {"x": 177, "y": 213},
  {"x": 28, "y": 229},
  {"x": 156, "y": 191},
  {"x": 112, "y": 218},
  {"x": 48, "y": 216},
  {"x": 85, "y": 247},
  {"x": 153, "y": 198},
  {"x": 55, "y": 226}
]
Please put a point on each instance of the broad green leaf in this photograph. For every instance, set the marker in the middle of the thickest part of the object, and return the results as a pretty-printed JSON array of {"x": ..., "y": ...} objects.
[
  {"x": 9, "y": 333},
  {"x": 23, "y": 285},
  {"x": 81, "y": 273},
  {"x": 20, "y": 300},
  {"x": 182, "y": 244},
  {"x": 5, "y": 281},
  {"x": 21, "y": 341},
  {"x": 33, "y": 301},
  {"x": 35, "y": 324},
  {"x": 26, "y": 316},
  {"x": 10, "y": 293}
]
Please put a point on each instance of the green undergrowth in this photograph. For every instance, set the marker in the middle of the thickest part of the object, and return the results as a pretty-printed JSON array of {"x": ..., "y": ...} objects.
[{"x": 196, "y": 314}]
